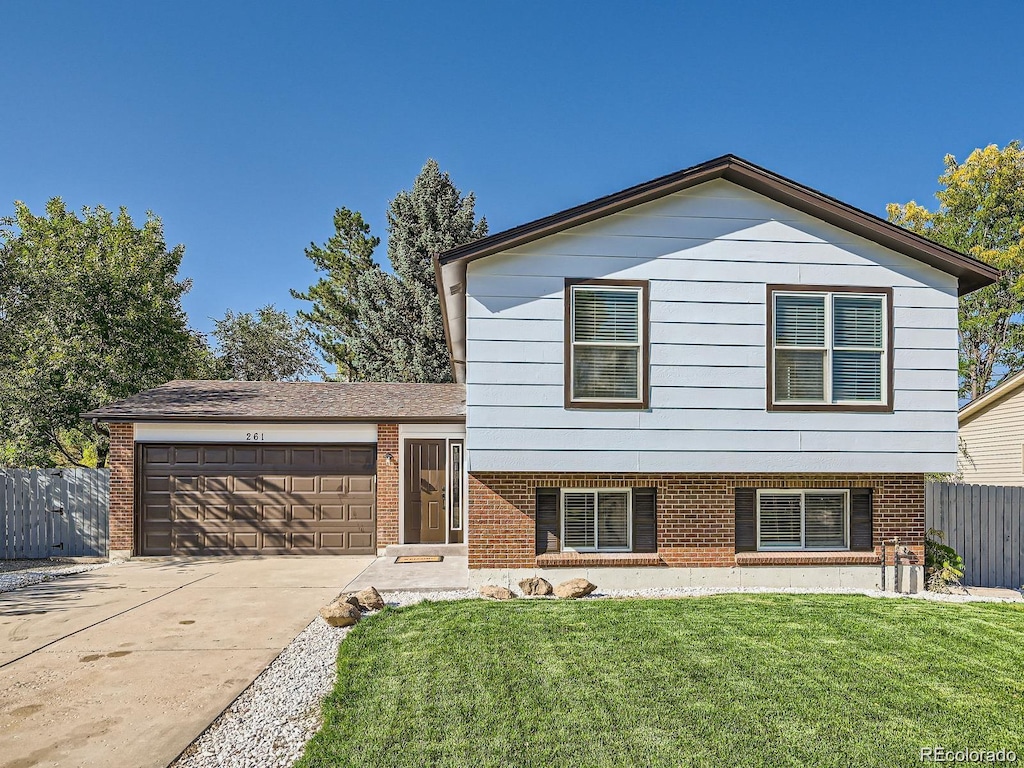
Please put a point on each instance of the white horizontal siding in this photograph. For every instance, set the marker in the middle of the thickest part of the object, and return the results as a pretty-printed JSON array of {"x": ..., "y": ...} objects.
[
  {"x": 708, "y": 253},
  {"x": 736, "y": 460}
]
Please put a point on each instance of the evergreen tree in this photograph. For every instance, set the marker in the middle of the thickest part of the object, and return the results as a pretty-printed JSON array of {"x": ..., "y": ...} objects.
[
  {"x": 401, "y": 333},
  {"x": 346, "y": 255}
]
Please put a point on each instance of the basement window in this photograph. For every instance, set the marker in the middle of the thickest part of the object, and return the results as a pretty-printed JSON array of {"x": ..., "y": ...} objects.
[
  {"x": 596, "y": 520},
  {"x": 795, "y": 520}
]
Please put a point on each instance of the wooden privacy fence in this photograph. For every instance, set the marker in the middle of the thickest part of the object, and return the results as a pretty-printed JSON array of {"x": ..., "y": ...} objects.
[
  {"x": 983, "y": 524},
  {"x": 54, "y": 512}
]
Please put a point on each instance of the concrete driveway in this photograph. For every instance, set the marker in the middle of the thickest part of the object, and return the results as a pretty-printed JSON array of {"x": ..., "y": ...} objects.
[{"x": 127, "y": 665}]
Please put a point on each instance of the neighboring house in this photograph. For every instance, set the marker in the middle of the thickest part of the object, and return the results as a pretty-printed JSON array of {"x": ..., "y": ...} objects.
[
  {"x": 719, "y": 371},
  {"x": 992, "y": 436}
]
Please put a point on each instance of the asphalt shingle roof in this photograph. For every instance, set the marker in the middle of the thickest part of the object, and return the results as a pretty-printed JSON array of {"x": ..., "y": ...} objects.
[{"x": 290, "y": 401}]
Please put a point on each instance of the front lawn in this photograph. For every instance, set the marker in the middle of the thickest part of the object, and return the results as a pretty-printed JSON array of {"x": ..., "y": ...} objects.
[{"x": 746, "y": 680}]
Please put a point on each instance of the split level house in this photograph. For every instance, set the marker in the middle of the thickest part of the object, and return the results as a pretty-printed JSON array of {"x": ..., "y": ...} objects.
[{"x": 718, "y": 377}]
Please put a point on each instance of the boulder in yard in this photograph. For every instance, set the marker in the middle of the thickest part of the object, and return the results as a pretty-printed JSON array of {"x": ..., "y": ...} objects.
[
  {"x": 496, "y": 593},
  {"x": 574, "y": 588},
  {"x": 347, "y": 597},
  {"x": 340, "y": 614},
  {"x": 369, "y": 599},
  {"x": 535, "y": 586}
]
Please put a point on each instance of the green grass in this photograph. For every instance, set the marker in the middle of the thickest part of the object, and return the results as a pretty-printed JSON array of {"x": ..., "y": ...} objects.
[{"x": 751, "y": 680}]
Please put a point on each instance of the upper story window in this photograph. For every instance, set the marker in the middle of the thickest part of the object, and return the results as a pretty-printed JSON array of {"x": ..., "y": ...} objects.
[
  {"x": 606, "y": 344},
  {"x": 830, "y": 348}
]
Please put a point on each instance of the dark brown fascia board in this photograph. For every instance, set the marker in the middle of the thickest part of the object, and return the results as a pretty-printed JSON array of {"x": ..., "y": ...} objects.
[
  {"x": 162, "y": 418},
  {"x": 971, "y": 273}
]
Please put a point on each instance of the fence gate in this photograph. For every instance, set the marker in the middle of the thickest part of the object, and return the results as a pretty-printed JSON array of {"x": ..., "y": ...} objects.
[
  {"x": 983, "y": 524},
  {"x": 53, "y": 512}
]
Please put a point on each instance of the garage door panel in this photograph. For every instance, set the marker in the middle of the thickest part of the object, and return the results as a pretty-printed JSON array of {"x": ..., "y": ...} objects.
[
  {"x": 360, "y": 512},
  {"x": 360, "y": 540},
  {"x": 189, "y": 455},
  {"x": 332, "y": 484},
  {"x": 157, "y": 511},
  {"x": 216, "y": 456},
  {"x": 360, "y": 484},
  {"x": 274, "y": 512},
  {"x": 274, "y": 499},
  {"x": 277, "y": 484},
  {"x": 243, "y": 484},
  {"x": 156, "y": 455}
]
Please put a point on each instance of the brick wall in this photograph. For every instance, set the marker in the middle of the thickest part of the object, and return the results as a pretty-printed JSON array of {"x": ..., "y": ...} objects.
[
  {"x": 387, "y": 485},
  {"x": 121, "y": 461},
  {"x": 695, "y": 511}
]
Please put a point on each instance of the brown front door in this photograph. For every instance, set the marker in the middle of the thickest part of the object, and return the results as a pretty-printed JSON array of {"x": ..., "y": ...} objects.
[{"x": 425, "y": 517}]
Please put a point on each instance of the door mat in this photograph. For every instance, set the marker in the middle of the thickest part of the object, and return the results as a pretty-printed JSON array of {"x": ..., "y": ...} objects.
[{"x": 419, "y": 559}]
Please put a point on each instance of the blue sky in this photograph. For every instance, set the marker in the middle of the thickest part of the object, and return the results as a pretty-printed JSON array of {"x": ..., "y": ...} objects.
[{"x": 245, "y": 125}]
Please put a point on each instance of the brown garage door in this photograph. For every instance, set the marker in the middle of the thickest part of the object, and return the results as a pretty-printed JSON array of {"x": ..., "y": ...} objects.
[{"x": 266, "y": 499}]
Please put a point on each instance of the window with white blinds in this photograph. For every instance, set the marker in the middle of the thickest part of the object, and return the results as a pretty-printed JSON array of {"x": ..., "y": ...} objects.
[
  {"x": 789, "y": 520},
  {"x": 596, "y": 520},
  {"x": 607, "y": 342},
  {"x": 829, "y": 348}
]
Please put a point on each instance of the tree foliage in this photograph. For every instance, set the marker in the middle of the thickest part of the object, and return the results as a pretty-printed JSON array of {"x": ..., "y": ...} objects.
[
  {"x": 267, "y": 346},
  {"x": 981, "y": 212},
  {"x": 346, "y": 255},
  {"x": 90, "y": 312},
  {"x": 391, "y": 328}
]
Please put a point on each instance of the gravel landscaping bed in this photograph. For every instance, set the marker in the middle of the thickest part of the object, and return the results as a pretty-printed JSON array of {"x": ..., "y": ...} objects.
[
  {"x": 15, "y": 574},
  {"x": 271, "y": 721}
]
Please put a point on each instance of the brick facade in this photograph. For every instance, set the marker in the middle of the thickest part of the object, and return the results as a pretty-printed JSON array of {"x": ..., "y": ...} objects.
[
  {"x": 121, "y": 461},
  {"x": 695, "y": 512},
  {"x": 387, "y": 484}
]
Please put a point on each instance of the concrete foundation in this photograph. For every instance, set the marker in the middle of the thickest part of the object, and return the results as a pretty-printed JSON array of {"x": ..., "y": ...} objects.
[{"x": 853, "y": 578}]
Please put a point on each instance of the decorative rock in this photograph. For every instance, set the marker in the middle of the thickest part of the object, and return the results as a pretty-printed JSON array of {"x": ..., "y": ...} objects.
[
  {"x": 574, "y": 588},
  {"x": 369, "y": 599},
  {"x": 347, "y": 597},
  {"x": 535, "y": 586},
  {"x": 340, "y": 614},
  {"x": 496, "y": 593}
]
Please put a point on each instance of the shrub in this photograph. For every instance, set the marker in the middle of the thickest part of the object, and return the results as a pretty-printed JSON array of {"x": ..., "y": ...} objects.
[{"x": 943, "y": 567}]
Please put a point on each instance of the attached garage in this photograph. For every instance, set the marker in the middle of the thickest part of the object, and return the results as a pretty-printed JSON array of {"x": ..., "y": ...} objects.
[
  {"x": 272, "y": 467},
  {"x": 205, "y": 499}
]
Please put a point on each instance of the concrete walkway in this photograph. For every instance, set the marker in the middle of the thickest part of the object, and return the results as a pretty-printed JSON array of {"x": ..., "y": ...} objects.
[
  {"x": 386, "y": 575},
  {"x": 127, "y": 665}
]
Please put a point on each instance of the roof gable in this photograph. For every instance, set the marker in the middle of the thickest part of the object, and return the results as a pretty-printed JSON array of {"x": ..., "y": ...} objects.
[
  {"x": 971, "y": 273},
  {"x": 450, "y": 266}
]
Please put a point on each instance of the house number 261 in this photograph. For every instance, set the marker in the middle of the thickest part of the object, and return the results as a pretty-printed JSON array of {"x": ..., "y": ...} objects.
[{"x": 255, "y": 435}]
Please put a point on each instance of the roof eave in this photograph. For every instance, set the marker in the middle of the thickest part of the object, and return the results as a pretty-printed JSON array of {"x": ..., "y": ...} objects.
[
  {"x": 139, "y": 418},
  {"x": 970, "y": 273}
]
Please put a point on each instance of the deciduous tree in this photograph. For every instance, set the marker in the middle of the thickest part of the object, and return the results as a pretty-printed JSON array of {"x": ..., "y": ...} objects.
[
  {"x": 267, "y": 346},
  {"x": 981, "y": 212},
  {"x": 90, "y": 312}
]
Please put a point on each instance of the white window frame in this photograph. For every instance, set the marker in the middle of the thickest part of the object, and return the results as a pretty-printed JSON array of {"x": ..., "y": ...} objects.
[
  {"x": 829, "y": 348},
  {"x": 640, "y": 344},
  {"x": 803, "y": 493},
  {"x": 597, "y": 540}
]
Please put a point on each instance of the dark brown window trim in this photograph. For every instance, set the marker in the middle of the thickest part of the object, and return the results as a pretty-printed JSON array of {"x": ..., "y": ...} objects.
[
  {"x": 886, "y": 407},
  {"x": 608, "y": 405}
]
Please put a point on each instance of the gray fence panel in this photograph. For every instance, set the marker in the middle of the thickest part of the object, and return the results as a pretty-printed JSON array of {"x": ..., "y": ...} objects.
[
  {"x": 983, "y": 524},
  {"x": 51, "y": 512}
]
